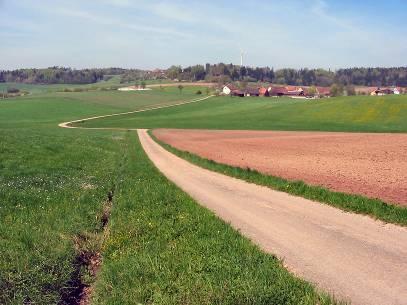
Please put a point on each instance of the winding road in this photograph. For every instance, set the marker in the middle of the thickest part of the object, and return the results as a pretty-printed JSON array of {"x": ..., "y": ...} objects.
[{"x": 352, "y": 256}]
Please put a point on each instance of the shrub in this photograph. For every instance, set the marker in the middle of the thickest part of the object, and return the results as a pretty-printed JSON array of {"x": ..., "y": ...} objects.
[{"x": 13, "y": 90}]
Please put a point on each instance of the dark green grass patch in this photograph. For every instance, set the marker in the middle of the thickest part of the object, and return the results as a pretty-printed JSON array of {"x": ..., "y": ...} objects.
[
  {"x": 163, "y": 248},
  {"x": 347, "y": 202},
  {"x": 354, "y": 114}
]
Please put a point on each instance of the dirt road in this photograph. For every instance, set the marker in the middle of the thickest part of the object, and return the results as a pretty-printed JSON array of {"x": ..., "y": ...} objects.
[
  {"x": 352, "y": 256},
  {"x": 374, "y": 165}
]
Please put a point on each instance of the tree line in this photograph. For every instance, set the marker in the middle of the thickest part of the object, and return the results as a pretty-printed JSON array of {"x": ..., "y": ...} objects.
[
  {"x": 224, "y": 73},
  {"x": 221, "y": 73},
  {"x": 57, "y": 75}
]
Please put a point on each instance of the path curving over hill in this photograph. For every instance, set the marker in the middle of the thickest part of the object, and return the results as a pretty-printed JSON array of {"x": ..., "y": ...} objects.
[
  {"x": 353, "y": 256},
  {"x": 69, "y": 124}
]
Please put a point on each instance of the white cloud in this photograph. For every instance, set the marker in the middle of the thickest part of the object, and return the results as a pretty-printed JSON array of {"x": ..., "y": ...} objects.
[
  {"x": 105, "y": 20},
  {"x": 320, "y": 9}
]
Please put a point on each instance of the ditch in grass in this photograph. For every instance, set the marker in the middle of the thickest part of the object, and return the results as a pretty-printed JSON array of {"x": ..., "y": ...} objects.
[
  {"x": 164, "y": 248},
  {"x": 352, "y": 203}
]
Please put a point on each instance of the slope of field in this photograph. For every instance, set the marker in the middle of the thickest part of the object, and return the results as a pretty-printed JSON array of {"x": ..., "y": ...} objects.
[
  {"x": 374, "y": 165},
  {"x": 53, "y": 184},
  {"x": 164, "y": 248},
  {"x": 358, "y": 113},
  {"x": 161, "y": 247}
]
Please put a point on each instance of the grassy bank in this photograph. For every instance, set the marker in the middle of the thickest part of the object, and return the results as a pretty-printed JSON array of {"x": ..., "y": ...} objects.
[
  {"x": 355, "y": 114},
  {"x": 53, "y": 188},
  {"x": 163, "y": 248},
  {"x": 347, "y": 202}
]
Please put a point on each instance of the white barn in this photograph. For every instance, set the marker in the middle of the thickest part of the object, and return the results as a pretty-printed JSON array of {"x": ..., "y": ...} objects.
[{"x": 227, "y": 89}]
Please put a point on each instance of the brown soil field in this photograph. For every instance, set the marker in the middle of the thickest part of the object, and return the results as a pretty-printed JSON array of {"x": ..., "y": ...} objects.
[{"x": 373, "y": 165}]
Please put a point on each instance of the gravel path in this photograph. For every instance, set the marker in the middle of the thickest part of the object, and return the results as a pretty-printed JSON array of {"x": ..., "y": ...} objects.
[
  {"x": 353, "y": 256},
  {"x": 374, "y": 165}
]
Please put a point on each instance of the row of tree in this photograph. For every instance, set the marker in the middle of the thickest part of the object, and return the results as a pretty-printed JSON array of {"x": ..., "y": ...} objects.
[
  {"x": 221, "y": 73},
  {"x": 58, "y": 75},
  {"x": 305, "y": 77}
]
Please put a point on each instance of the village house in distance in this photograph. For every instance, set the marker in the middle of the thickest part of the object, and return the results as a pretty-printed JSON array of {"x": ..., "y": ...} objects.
[
  {"x": 277, "y": 91},
  {"x": 298, "y": 91}
]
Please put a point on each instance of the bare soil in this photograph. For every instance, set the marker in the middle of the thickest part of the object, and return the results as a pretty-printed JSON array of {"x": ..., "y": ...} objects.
[
  {"x": 352, "y": 256},
  {"x": 373, "y": 165}
]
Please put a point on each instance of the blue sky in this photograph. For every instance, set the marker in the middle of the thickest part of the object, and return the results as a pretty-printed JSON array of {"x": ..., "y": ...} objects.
[{"x": 149, "y": 34}]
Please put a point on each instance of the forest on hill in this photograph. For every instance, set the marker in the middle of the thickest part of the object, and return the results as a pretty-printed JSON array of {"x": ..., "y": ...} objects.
[{"x": 220, "y": 73}]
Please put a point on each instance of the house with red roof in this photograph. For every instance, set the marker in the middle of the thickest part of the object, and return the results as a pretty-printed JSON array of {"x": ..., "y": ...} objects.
[
  {"x": 278, "y": 91},
  {"x": 385, "y": 91},
  {"x": 264, "y": 91},
  {"x": 323, "y": 91}
]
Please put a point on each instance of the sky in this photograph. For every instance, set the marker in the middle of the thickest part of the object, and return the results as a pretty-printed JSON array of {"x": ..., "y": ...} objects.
[{"x": 157, "y": 34}]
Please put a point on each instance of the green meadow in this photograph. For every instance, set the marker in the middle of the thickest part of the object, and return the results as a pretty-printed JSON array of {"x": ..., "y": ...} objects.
[
  {"x": 354, "y": 114},
  {"x": 58, "y": 188},
  {"x": 112, "y": 83}
]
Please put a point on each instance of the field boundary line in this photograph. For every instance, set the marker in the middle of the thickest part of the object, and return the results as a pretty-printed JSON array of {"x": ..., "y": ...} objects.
[{"x": 69, "y": 123}]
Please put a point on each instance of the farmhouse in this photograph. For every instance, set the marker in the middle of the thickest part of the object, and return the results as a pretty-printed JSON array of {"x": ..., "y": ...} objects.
[
  {"x": 227, "y": 89},
  {"x": 294, "y": 91},
  {"x": 278, "y": 91},
  {"x": 289, "y": 91},
  {"x": 323, "y": 91},
  {"x": 251, "y": 92},
  {"x": 237, "y": 92},
  {"x": 264, "y": 91},
  {"x": 385, "y": 91}
]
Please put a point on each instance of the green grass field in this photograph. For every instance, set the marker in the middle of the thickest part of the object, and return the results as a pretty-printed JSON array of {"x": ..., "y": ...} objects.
[
  {"x": 355, "y": 114},
  {"x": 113, "y": 82},
  {"x": 159, "y": 246},
  {"x": 38, "y": 89}
]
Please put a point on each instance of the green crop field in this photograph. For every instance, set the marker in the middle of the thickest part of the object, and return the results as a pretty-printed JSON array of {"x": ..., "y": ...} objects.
[
  {"x": 37, "y": 89},
  {"x": 355, "y": 114},
  {"x": 159, "y": 247}
]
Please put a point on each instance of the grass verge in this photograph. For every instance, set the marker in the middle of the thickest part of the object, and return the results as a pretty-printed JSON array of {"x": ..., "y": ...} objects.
[
  {"x": 352, "y": 203},
  {"x": 52, "y": 193},
  {"x": 163, "y": 248}
]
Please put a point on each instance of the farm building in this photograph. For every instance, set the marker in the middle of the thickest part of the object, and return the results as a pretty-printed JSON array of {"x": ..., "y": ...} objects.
[
  {"x": 323, "y": 91},
  {"x": 294, "y": 91},
  {"x": 237, "y": 92},
  {"x": 228, "y": 89},
  {"x": 251, "y": 92},
  {"x": 385, "y": 91},
  {"x": 264, "y": 91},
  {"x": 278, "y": 91},
  {"x": 289, "y": 91}
]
